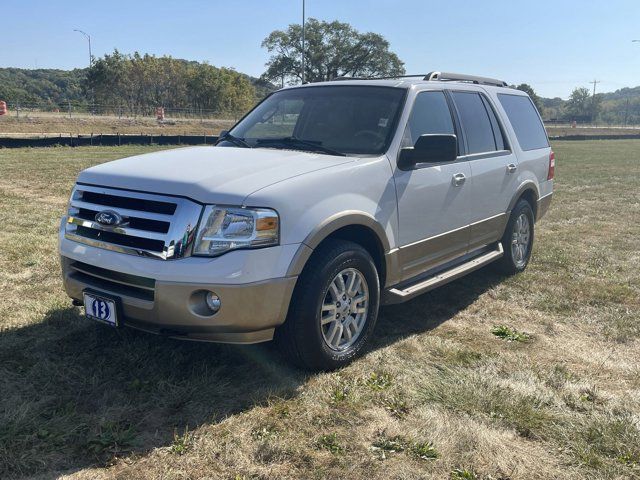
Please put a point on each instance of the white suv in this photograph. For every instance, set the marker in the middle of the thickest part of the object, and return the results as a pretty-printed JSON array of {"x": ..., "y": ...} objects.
[{"x": 324, "y": 202}]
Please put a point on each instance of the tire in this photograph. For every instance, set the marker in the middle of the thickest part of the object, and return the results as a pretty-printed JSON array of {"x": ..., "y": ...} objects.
[
  {"x": 302, "y": 338},
  {"x": 517, "y": 240}
]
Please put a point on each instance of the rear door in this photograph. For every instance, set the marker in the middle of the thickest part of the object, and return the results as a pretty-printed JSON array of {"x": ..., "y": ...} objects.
[
  {"x": 433, "y": 208},
  {"x": 493, "y": 166}
]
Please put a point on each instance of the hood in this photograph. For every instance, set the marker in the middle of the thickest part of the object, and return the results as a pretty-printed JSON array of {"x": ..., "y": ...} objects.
[{"x": 224, "y": 175}]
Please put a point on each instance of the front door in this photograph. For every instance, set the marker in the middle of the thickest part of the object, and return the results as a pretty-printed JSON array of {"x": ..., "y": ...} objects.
[{"x": 433, "y": 199}]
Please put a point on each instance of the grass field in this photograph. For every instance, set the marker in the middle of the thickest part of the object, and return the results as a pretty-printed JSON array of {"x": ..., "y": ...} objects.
[
  {"x": 38, "y": 123},
  {"x": 534, "y": 376}
]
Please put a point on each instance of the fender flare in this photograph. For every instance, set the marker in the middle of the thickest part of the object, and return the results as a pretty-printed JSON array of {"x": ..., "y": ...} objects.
[
  {"x": 331, "y": 225},
  {"x": 526, "y": 185}
]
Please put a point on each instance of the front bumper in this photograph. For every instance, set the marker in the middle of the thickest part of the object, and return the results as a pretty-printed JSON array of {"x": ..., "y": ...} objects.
[
  {"x": 254, "y": 286},
  {"x": 249, "y": 312}
]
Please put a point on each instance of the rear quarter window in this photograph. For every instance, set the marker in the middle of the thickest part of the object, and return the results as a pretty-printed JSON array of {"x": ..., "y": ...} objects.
[{"x": 525, "y": 121}]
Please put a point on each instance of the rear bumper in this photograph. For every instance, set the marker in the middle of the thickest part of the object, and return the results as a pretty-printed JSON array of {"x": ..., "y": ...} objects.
[{"x": 543, "y": 205}]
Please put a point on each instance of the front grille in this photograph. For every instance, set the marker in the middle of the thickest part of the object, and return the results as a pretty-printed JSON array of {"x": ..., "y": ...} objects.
[
  {"x": 151, "y": 225},
  {"x": 145, "y": 205},
  {"x": 118, "y": 283}
]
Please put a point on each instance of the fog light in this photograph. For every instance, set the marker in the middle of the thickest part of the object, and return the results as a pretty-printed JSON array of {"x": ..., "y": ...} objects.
[{"x": 213, "y": 301}]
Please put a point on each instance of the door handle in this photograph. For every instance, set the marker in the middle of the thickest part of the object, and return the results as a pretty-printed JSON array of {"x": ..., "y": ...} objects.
[
  {"x": 459, "y": 179},
  {"x": 511, "y": 168}
]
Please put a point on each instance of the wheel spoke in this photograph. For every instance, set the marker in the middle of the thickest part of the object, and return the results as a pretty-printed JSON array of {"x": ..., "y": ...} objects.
[
  {"x": 335, "y": 290},
  {"x": 335, "y": 328},
  {"x": 354, "y": 285},
  {"x": 360, "y": 298},
  {"x": 347, "y": 332},
  {"x": 342, "y": 288}
]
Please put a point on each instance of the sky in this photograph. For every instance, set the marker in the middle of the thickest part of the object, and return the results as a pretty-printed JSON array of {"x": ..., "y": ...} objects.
[{"x": 553, "y": 45}]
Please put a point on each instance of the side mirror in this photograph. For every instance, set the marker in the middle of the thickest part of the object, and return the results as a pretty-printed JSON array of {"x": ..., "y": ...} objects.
[
  {"x": 223, "y": 133},
  {"x": 437, "y": 148}
]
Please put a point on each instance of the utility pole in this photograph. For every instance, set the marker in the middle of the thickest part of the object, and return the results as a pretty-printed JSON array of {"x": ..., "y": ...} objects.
[
  {"x": 303, "y": 42},
  {"x": 88, "y": 37},
  {"x": 593, "y": 100}
]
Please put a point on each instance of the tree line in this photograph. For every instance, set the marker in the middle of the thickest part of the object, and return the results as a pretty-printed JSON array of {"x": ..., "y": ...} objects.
[{"x": 138, "y": 82}]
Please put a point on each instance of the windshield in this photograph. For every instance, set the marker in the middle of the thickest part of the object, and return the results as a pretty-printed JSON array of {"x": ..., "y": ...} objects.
[{"x": 355, "y": 120}]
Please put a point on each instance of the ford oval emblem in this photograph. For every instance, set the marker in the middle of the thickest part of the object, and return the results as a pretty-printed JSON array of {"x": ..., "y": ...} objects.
[{"x": 109, "y": 218}]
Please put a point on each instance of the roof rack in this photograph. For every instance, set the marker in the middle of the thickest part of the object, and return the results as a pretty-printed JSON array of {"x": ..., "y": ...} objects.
[
  {"x": 461, "y": 77},
  {"x": 377, "y": 78},
  {"x": 438, "y": 76}
]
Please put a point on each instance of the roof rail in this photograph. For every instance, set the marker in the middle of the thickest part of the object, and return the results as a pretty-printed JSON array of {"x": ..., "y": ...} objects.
[
  {"x": 461, "y": 77},
  {"x": 437, "y": 76},
  {"x": 392, "y": 77}
]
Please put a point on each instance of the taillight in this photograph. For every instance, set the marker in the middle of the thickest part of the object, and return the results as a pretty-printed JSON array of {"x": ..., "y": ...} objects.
[{"x": 552, "y": 165}]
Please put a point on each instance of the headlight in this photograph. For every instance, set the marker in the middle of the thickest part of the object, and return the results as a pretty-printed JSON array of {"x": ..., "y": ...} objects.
[{"x": 228, "y": 228}]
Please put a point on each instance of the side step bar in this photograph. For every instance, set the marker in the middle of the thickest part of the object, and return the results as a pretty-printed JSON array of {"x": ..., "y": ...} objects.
[{"x": 402, "y": 294}]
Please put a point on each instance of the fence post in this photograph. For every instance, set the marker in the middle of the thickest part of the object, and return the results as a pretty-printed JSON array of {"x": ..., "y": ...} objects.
[
  {"x": 18, "y": 110},
  {"x": 69, "y": 107}
]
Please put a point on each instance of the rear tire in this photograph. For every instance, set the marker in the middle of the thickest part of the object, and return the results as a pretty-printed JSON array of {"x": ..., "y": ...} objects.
[
  {"x": 517, "y": 240},
  {"x": 333, "y": 309}
]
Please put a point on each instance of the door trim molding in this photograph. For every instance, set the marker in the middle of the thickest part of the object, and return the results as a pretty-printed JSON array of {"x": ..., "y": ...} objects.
[{"x": 418, "y": 257}]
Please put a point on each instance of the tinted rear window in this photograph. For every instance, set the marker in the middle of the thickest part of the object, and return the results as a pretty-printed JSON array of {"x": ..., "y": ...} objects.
[
  {"x": 525, "y": 121},
  {"x": 475, "y": 122}
]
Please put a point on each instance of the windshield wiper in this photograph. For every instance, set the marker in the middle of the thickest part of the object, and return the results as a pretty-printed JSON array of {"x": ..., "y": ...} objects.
[
  {"x": 298, "y": 142},
  {"x": 235, "y": 140}
]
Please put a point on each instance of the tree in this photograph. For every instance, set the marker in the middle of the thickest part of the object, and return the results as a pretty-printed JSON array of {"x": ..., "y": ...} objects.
[
  {"x": 579, "y": 104},
  {"x": 332, "y": 49},
  {"x": 528, "y": 89}
]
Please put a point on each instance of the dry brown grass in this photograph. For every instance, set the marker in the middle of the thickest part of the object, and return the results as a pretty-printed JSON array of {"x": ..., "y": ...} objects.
[
  {"x": 564, "y": 130},
  {"x": 438, "y": 395},
  {"x": 31, "y": 124}
]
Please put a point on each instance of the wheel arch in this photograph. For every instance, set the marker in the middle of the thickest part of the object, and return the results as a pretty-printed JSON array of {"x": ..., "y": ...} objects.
[
  {"x": 529, "y": 191},
  {"x": 354, "y": 226}
]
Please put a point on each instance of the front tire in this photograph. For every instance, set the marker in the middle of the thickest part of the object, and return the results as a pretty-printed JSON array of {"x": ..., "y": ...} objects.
[
  {"x": 517, "y": 240},
  {"x": 334, "y": 308}
]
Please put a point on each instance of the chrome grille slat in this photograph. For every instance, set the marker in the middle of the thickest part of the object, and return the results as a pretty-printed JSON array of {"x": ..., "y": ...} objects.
[
  {"x": 161, "y": 217},
  {"x": 122, "y": 230},
  {"x": 145, "y": 230}
]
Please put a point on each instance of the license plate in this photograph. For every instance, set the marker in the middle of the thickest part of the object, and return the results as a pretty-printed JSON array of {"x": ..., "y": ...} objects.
[{"x": 101, "y": 309}]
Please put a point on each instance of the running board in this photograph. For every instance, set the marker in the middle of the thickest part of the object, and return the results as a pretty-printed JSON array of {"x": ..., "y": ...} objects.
[{"x": 402, "y": 294}]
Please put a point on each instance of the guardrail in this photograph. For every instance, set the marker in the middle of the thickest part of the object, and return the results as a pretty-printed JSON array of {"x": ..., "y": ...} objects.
[
  {"x": 631, "y": 136},
  {"x": 110, "y": 140}
]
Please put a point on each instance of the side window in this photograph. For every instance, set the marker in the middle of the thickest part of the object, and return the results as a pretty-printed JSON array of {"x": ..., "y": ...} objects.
[
  {"x": 430, "y": 114},
  {"x": 495, "y": 125},
  {"x": 525, "y": 121},
  {"x": 476, "y": 123}
]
